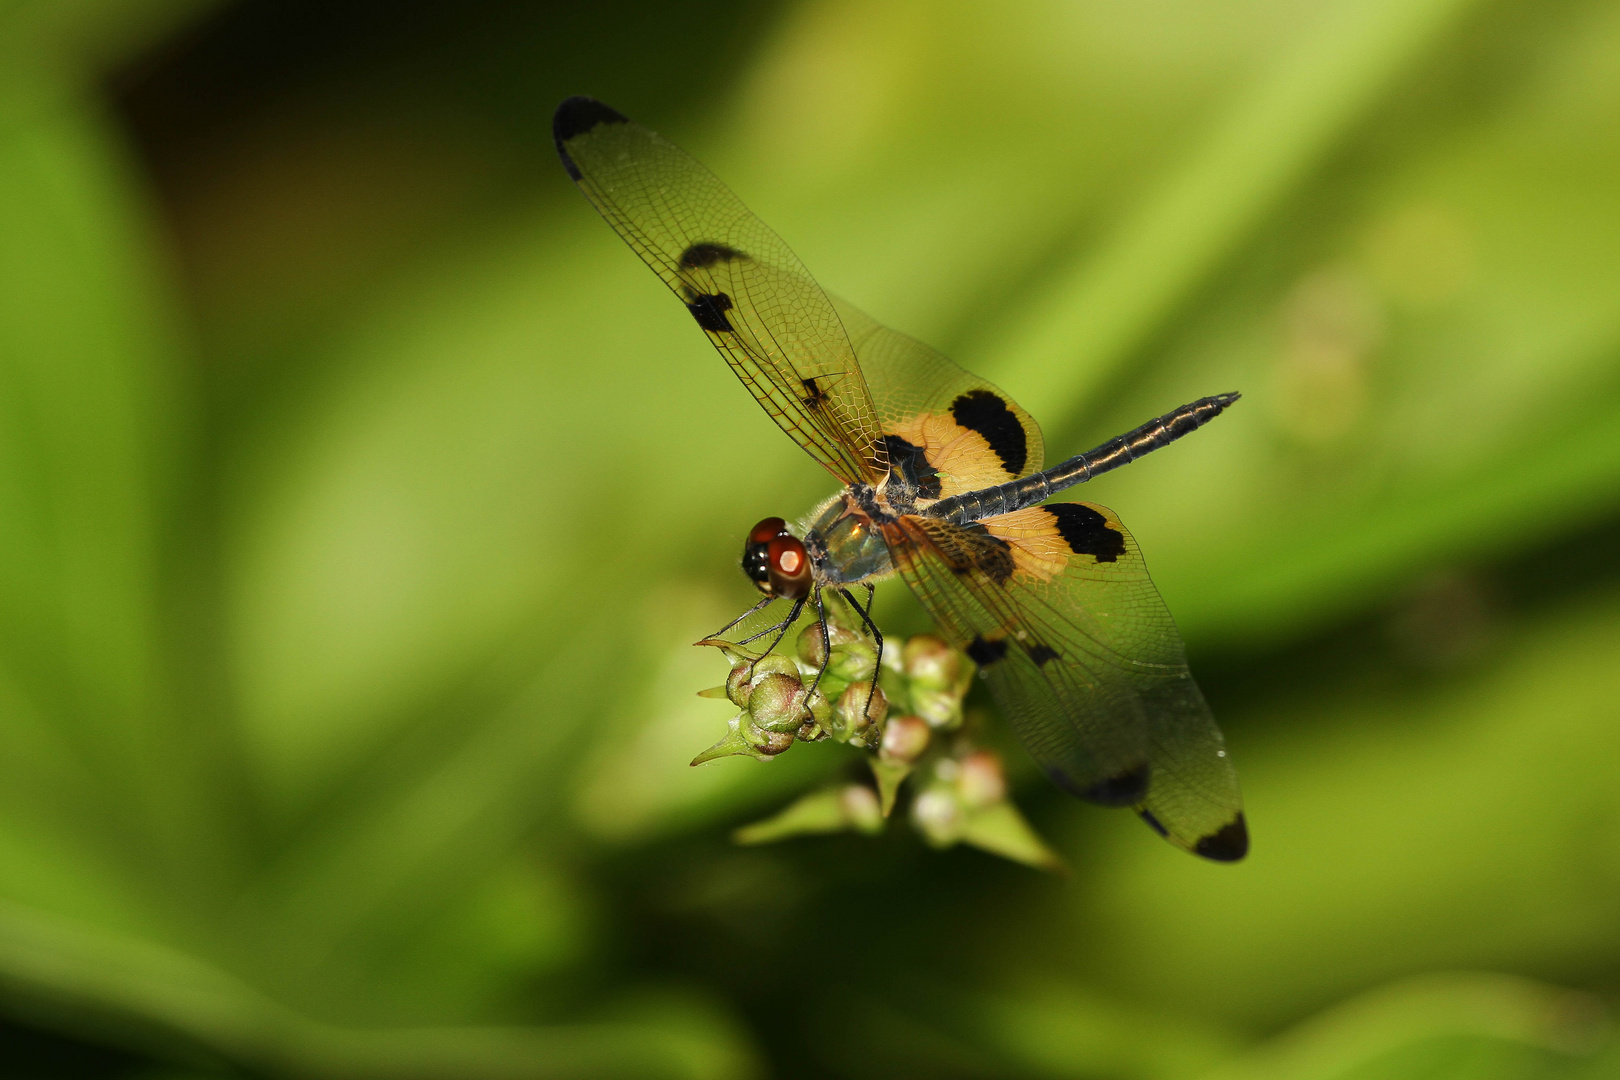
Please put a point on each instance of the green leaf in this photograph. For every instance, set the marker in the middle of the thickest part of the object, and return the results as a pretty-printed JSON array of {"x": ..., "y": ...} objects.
[{"x": 847, "y": 807}]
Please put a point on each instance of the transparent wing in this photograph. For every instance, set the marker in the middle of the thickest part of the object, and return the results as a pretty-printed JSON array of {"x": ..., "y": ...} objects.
[
  {"x": 950, "y": 430},
  {"x": 1055, "y": 605},
  {"x": 747, "y": 291}
]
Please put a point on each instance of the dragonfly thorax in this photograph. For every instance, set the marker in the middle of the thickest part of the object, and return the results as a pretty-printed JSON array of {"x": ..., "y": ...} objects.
[{"x": 845, "y": 541}]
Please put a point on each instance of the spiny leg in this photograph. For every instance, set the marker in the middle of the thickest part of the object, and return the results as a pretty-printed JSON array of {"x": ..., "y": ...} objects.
[
  {"x": 757, "y": 607},
  {"x": 785, "y": 625},
  {"x": 826, "y": 647},
  {"x": 877, "y": 638},
  {"x": 771, "y": 629}
]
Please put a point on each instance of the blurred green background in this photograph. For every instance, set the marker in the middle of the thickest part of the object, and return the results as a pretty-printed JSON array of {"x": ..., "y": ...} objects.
[{"x": 360, "y": 495}]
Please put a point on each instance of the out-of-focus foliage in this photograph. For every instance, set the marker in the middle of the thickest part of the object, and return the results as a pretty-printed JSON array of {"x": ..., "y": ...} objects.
[{"x": 360, "y": 497}]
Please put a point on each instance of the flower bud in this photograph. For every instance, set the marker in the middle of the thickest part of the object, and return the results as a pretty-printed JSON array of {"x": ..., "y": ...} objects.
[
  {"x": 738, "y": 684},
  {"x": 904, "y": 739},
  {"x": 772, "y": 743},
  {"x": 981, "y": 780},
  {"x": 940, "y": 708},
  {"x": 812, "y": 648},
  {"x": 777, "y": 702},
  {"x": 931, "y": 662},
  {"x": 858, "y": 716},
  {"x": 773, "y": 664},
  {"x": 853, "y": 661},
  {"x": 861, "y": 810},
  {"x": 938, "y": 814}
]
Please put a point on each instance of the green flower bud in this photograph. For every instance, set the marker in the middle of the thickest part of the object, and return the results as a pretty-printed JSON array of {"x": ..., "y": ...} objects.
[
  {"x": 767, "y": 742},
  {"x": 931, "y": 662},
  {"x": 773, "y": 664},
  {"x": 940, "y": 708},
  {"x": 853, "y": 661},
  {"x": 861, "y": 809},
  {"x": 777, "y": 702},
  {"x": 738, "y": 685},
  {"x": 937, "y": 813},
  {"x": 904, "y": 739},
  {"x": 981, "y": 780},
  {"x": 814, "y": 726},
  {"x": 854, "y": 719},
  {"x": 821, "y": 708},
  {"x": 812, "y": 649}
]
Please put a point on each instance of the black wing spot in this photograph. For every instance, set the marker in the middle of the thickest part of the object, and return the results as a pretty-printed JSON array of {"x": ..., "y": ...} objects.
[
  {"x": 996, "y": 560},
  {"x": 983, "y": 652},
  {"x": 706, "y": 253},
  {"x": 1042, "y": 654},
  {"x": 1228, "y": 844},
  {"x": 573, "y": 118},
  {"x": 1087, "y": 532},
  {"x": 987, "y": 413},
  {"x": 1123, "y": 790},
  {"x": 814, "y": 396},
  {"x": 913, "y": 466},
  {"x": 710, "y": 312},
  {"x": 1154, "y": 824}
]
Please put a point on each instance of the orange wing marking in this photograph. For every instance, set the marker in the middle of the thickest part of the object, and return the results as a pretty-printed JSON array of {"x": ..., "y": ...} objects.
[{"x": 960, "y": 456}]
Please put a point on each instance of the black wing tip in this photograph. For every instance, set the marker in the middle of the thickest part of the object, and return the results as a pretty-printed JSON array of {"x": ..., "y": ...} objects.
[
  {"x": 573, "y": 118},
  {"x": 1227, "y": 844},
  {"x": 1125, "y": 789}
]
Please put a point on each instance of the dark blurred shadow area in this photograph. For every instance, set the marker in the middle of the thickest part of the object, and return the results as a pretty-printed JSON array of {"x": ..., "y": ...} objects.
[{"x": 361, "y": 495}]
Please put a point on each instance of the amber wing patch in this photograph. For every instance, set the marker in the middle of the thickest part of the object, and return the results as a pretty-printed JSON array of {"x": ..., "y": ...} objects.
[
  {"x": 960, "y": 458},
  {"x": 1043, "y": 539}
]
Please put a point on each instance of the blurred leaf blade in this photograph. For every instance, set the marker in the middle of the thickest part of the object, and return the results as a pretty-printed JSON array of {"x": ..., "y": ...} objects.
[
  {"x": 1098, "y": 309},
  {"x": 175, "y": 1004},
  {"x": 92, "y": 348},
  {"x": 472, "y": 475}
]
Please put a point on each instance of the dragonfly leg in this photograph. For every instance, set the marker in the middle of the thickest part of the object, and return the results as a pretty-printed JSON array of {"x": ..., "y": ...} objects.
[
  {"x": 826, "y": 647},
  {"x": 877, "y": 638},
  {"x": 784, "y": 626},
  {"x": 739, "y": 619}
]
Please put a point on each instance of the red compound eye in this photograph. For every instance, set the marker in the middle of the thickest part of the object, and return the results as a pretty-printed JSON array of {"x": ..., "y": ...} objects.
[
  {"x": 766, "y": 531},
  {"x": 788, "y": 567},
  {"x": 760, "y": 560}
]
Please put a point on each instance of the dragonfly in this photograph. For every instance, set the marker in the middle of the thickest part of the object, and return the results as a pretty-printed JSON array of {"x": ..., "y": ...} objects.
[{"x": 942, "y": 486}]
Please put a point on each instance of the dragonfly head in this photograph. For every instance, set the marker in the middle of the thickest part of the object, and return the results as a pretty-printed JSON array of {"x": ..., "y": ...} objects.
[{"x": 775, "y": 560}]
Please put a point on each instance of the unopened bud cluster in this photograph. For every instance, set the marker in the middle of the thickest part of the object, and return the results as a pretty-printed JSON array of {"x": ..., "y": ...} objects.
[
  {"x": 904, "y": 710},
  {"x": 832, "y": 688},
  {"x": 956, "y": 788}
]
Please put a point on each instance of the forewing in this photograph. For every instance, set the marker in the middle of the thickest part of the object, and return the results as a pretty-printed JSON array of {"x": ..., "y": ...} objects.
[
  {"x": 950, "y": 430},
  {"x": 1055, "y": 605},
  {"x": 747, "y": 291}
]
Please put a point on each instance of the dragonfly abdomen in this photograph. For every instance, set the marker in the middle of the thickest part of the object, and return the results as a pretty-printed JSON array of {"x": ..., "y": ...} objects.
[{"x": 1120, "y": 450}]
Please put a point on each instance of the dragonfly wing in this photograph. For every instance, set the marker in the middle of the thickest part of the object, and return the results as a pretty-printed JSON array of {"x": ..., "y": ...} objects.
[
  {"x": 1055, "y": 605},
  {"x": 949, "y": 430},
  {"x": 744, "y": 287}
]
